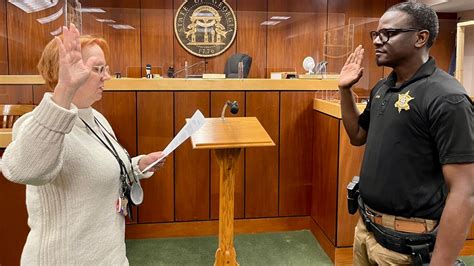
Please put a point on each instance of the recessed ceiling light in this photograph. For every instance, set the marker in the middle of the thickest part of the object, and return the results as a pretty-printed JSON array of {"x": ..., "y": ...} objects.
[
  {"x": 280, "y": 17},
  {"x": 33, "y": 6},
  {"x": 90, "y": 10},
  {"x": 122, "y": 27},
  {"x": 57, "y": 31},
  {"x": 51, "y": 17},
  {"x": 102, "y": 20},
  {"x": 269, "y": 23}
]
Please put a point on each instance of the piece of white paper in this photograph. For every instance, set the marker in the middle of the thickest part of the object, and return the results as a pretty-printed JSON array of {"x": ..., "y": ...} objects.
[{"x": 193, "y": 125}]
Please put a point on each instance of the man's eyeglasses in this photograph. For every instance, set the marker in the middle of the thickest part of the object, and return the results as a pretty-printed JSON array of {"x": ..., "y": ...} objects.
[
  {"x": 385, "y": 34},
  {"x": 101, "y": 69}
]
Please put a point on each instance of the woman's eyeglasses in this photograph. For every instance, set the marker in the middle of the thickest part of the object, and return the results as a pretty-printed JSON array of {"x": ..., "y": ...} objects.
[
  {"x": 101, "y": 69},
  {"x": 385, "y": 34}
]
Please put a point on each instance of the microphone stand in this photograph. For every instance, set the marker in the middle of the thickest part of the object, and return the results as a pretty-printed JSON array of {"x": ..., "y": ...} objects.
[
  {"x": 186, "y": 68},
  {"x": 321, "y": 68},
  {"x": 234, "y": 108}
]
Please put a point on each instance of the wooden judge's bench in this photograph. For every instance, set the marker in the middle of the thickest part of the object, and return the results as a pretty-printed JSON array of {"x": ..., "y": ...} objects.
[{"x": 298, "y": 184}]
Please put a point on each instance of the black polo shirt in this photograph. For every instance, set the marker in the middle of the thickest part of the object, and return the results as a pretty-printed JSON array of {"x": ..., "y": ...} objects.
[{"x": 412, "y": 131}]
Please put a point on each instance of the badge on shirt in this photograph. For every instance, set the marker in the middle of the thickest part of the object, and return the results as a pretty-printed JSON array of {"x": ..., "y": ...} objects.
[{"x": 403, "y": 100}]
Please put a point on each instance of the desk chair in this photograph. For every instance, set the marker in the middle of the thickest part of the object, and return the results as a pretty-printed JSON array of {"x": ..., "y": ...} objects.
[
  {"x": 11, "y": 112},
  {"x": 231, "y": 69}
]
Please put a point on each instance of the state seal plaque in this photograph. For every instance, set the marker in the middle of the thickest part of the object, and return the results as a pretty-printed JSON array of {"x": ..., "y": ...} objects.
[{"x": 205, "y": 28}]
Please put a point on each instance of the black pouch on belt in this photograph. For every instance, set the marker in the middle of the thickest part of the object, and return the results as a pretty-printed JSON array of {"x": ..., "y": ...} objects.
[{"x": 352, "y": 195}]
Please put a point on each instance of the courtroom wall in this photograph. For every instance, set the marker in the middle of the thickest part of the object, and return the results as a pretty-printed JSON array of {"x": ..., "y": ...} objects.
[{"x": 280, "y": 47}]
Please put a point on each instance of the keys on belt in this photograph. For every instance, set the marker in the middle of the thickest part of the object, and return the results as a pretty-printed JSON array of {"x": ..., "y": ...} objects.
[{"x": 402, "y": 224}]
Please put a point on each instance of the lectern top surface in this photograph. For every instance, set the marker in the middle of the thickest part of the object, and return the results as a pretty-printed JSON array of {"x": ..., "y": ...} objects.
[{"x": 233, "y": 132}]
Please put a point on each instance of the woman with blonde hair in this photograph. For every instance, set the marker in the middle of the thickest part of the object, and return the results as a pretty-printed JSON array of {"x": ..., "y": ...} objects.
[{"x": 79, "y": 180}]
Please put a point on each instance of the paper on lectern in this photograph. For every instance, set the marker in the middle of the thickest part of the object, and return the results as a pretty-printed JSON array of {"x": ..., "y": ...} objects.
[{"x": 191, "y": 126}]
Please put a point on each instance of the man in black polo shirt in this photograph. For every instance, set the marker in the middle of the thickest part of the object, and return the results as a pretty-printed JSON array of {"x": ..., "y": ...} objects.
[{"x": 418, "y": 170}]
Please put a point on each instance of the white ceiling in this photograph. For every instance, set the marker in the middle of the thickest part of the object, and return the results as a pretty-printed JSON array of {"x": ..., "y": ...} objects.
[{"x": 450, "y": 5}]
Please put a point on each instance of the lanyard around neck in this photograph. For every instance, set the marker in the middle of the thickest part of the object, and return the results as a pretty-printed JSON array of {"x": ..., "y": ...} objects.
[{"x": 123, "y": 169}]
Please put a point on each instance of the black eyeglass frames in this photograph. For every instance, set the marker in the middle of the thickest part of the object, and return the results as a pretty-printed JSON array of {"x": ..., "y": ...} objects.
[{"x": 385, "y": 34}]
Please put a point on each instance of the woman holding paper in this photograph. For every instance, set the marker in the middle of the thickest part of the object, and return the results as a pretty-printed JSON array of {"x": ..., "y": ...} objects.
[{"x": 79, "y": 180}]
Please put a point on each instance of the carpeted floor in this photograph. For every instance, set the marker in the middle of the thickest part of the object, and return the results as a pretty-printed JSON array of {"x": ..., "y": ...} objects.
[{"x": 286, "y": 248}]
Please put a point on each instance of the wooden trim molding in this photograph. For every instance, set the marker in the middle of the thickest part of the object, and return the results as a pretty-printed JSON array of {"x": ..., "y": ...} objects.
[
  {"x": 332, "y": 108},
  {"x": 323, "y": 240},
  {"x": 207, "y": 228},
  {"x": 21, "y": 80},
  {"x": 220, "y": 84},
  {"x": 166, "y": 84}
]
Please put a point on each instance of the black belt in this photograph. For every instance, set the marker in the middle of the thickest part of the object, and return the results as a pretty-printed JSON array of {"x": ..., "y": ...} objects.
[{"x": 419, "y": 246}]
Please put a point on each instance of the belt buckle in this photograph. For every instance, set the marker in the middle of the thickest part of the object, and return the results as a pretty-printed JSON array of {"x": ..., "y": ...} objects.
[{"x": 370, "y": 214}]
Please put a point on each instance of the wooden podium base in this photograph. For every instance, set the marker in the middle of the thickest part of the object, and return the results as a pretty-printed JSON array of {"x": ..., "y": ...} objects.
[
  {"x": 225, "y": 254},
  {"x": 229, "y": 257},
  {"x": 227, "y": 137}
]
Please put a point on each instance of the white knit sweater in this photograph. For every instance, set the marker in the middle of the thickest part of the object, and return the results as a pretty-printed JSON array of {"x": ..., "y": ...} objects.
[{"x": 72, "y": 186}]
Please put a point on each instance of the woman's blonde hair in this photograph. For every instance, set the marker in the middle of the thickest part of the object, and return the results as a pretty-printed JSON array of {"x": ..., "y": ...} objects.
[{"x": 48, "y": 65}]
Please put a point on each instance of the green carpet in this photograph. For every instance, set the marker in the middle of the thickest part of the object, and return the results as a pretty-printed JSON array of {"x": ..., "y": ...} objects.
[
  {"x": 289, "y": 248},
  {"x": 468, "y": 260},
  {"x": 286, "y": 248}
]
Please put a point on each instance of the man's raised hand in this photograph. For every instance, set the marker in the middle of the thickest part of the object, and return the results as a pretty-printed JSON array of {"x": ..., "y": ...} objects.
[{"x": 352, "y": 70}]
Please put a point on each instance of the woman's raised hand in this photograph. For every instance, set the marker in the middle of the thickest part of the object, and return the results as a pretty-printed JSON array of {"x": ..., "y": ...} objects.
[
  {"x": 73, "y": 71},
  {"x": 352, "y": 70}
]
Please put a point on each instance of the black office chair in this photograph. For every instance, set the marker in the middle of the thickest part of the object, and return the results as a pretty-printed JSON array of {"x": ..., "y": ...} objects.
[{"x": 231, "y": 69}]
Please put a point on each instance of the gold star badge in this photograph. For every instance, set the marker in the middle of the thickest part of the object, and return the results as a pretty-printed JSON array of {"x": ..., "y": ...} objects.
[{"x": 402, "y": 103}]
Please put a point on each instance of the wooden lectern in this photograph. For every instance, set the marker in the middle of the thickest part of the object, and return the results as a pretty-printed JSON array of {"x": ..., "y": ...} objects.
[{"x": 227, "y": 137}]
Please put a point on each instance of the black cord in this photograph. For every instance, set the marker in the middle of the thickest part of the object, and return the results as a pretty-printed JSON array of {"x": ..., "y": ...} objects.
[{"x": 123, "y": 169}]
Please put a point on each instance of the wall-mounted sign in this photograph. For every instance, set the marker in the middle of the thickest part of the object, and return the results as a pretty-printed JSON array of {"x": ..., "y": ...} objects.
[{"x": 205, "y": 28}]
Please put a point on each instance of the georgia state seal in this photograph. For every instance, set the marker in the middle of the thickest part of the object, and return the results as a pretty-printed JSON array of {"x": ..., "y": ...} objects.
[{"x": 205, "y": 28}]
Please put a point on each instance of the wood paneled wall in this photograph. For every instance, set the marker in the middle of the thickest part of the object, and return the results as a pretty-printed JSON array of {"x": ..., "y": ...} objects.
[
  {"x": 273, "y": 48},
  {"x": 3, "y": 38},
  {"x": 262, "y": 164},
  {"x": 350, "y": 161},
  {"x": 444, "y": 47},
  {"x": 363, "y": 14},
  {"x": 252, "y": 39},
  {"x": 296, "y": 130},
  {"x": 156, "y": 129},
  {"x": 120, "y": 110},
  {"x": 290, "y": 41},
  {"x": 270, "y": 182},
  {"x": 16, "y": 94},
  {"x": 192, "y": 168},
  {"x": 325, "y": 174},
  {"x": 13, "y": 226},
  {"x": 338, "y": 162},
  {"x": 157, "y": 34},
  {"x": 27, "y": 38}
]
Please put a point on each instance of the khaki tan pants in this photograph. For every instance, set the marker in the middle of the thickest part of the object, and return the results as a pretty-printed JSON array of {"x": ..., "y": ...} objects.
[{"x": 368, "y": 252}]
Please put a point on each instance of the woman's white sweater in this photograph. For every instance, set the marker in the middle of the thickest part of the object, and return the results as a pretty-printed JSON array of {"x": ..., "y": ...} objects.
[{"x": 72, "y": 184}]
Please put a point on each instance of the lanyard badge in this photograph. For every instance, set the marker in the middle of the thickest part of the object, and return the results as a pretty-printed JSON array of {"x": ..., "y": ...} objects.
[
  {"x": 121, "y": 206},
  {"x": 130, "y": 191}
]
